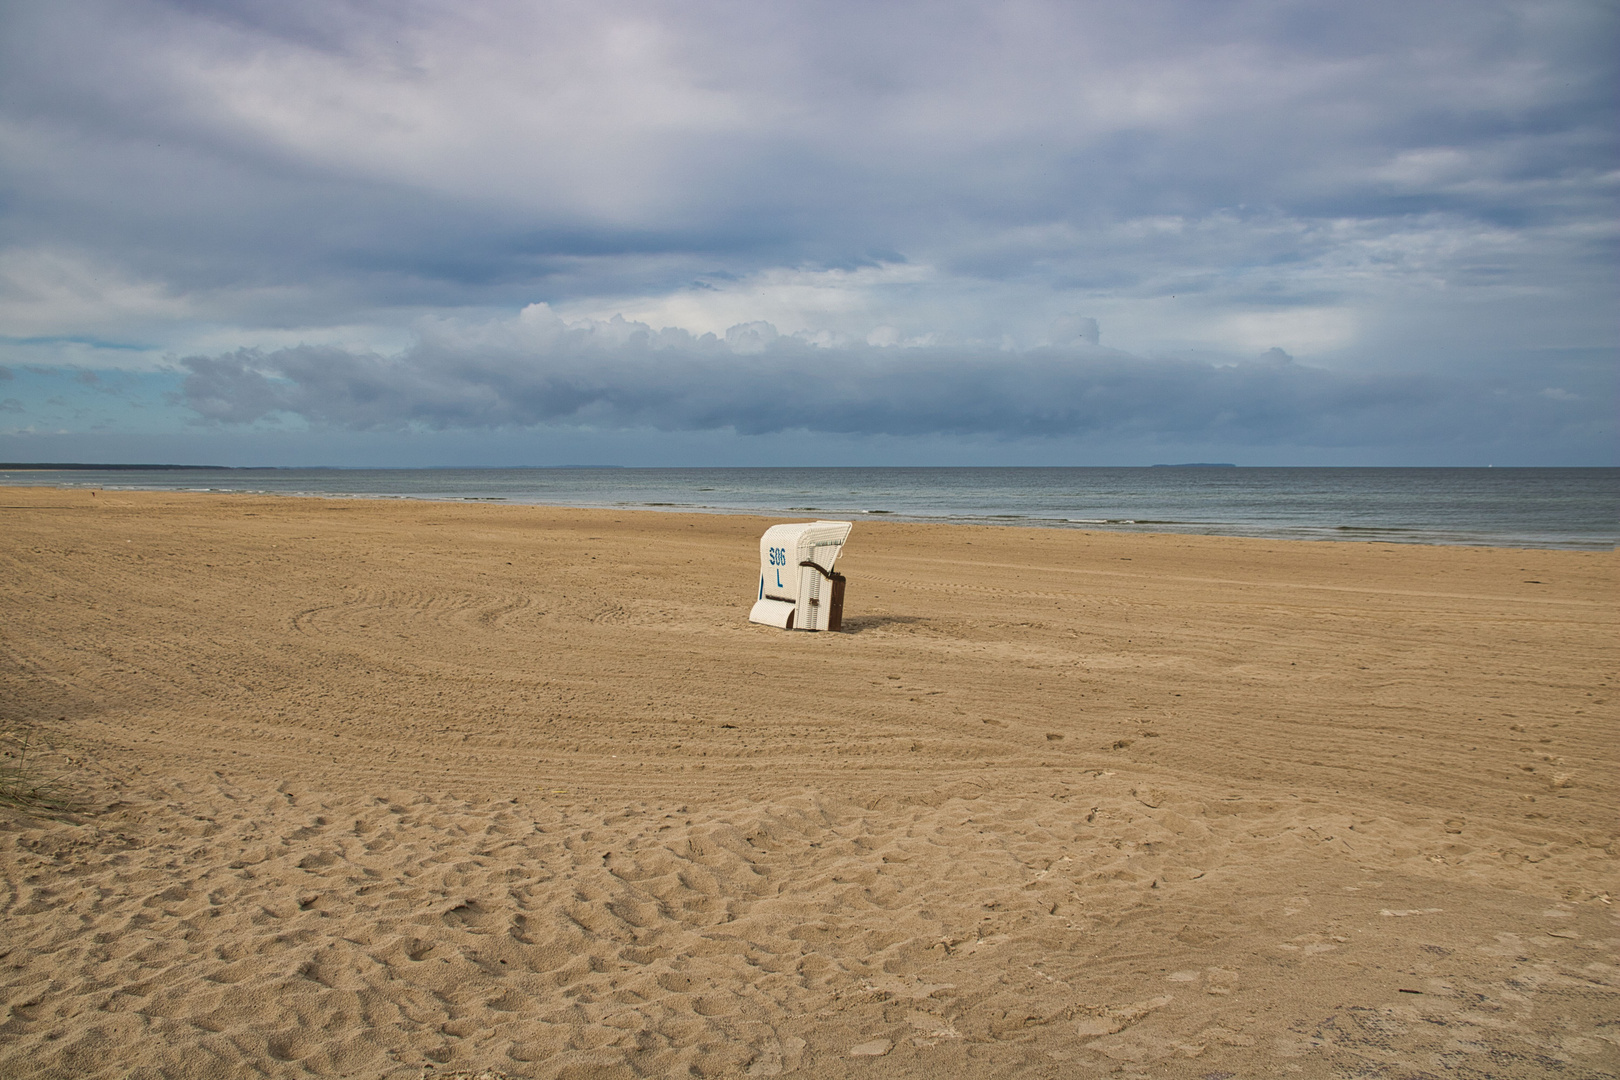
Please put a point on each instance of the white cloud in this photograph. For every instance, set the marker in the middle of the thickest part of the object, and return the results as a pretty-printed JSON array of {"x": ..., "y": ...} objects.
[
  {"x": 1424, "y": 167},
  {"x": 50, "y": 291},
  {"x": 844, "y": 303},
  {"x": 1298, "y": 330},
  {"x": 528, "y": 106}
]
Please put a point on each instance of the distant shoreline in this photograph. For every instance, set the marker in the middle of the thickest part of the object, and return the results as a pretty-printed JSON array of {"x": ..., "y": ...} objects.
[
  {"x": 74, "y": 466},
  {"x": 85, "y": 466}
]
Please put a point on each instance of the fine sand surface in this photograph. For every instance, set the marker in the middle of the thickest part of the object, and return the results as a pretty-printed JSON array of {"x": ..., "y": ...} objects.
[{"x": 404, "y": 789}]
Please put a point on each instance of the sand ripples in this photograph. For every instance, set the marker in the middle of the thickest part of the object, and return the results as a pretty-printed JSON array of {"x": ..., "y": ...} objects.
[{"x": 385, "y": 933}]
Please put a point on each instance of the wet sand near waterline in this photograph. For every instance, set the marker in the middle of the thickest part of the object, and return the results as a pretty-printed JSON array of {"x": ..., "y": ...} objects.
[{"x": 380, "y": 788}]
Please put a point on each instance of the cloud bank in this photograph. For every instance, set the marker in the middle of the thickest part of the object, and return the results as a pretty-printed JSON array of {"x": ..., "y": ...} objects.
[{"x": 542, "y": 371}]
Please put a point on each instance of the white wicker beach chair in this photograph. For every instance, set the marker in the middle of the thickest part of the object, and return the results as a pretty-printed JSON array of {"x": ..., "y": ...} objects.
[{"x": 798, "y": 588}]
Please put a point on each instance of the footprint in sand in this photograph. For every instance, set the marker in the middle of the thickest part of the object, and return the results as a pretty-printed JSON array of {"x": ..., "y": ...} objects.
[
  {"x": 1117, "y": 1018},
  {"x": 875, "y": 1048}
]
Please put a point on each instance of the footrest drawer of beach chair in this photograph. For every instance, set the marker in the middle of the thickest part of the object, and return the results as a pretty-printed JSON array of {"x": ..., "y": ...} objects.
[{"x": 778, "y": 613}]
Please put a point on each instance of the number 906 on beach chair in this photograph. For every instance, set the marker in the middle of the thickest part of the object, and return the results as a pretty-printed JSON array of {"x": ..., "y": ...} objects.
[{"x": 798, "y": 589}]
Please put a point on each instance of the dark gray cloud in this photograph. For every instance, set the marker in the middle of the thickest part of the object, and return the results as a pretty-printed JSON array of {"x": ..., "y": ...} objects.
[{"x": 623, "y": 376}]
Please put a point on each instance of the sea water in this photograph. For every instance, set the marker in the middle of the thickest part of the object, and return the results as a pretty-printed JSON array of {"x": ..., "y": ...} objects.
[{"x": 1550, "y": 508}]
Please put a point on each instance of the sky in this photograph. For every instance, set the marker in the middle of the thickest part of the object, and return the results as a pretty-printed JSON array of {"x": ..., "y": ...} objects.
[{"x": 417, "y": 233}]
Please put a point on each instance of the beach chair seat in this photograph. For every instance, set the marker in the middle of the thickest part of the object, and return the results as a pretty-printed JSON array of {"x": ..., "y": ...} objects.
[{"x": 798, "y": 587}]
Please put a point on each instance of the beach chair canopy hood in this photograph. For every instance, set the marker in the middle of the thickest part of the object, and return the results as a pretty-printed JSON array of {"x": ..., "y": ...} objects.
[{"x": 798, "y": 587}]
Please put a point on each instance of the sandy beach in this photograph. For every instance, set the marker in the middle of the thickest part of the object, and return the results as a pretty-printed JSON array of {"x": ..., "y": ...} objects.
[{"x": 377, "y": 788}]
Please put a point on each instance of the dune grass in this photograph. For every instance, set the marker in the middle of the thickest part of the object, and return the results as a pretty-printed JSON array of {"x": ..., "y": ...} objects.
[{"x": 33, "y": 771}]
